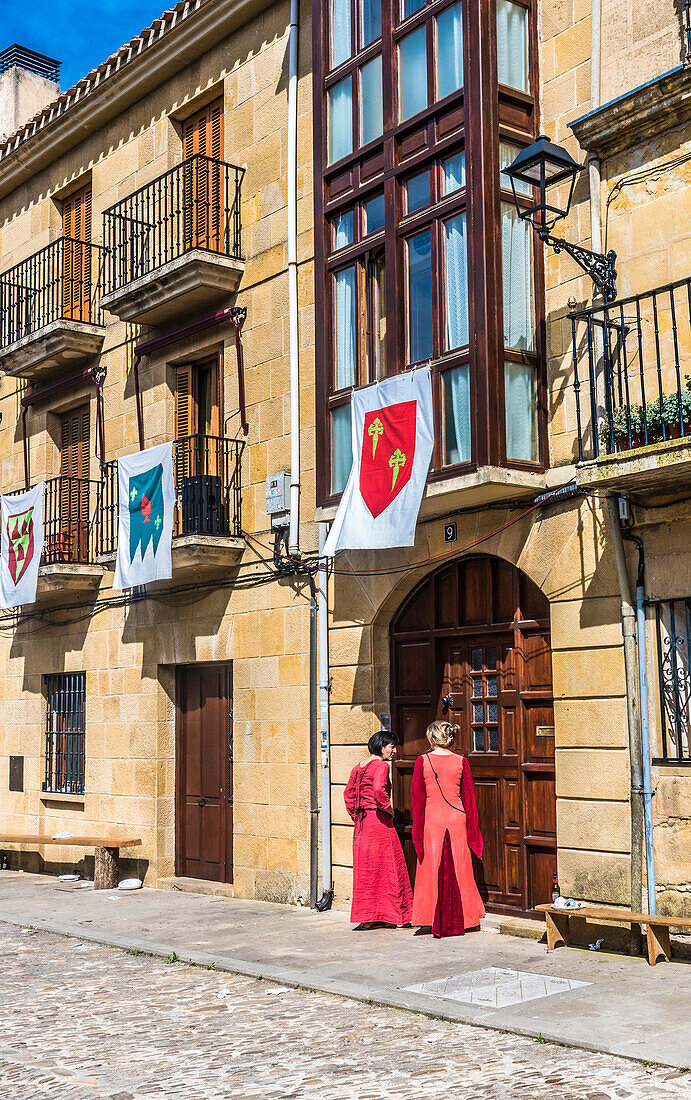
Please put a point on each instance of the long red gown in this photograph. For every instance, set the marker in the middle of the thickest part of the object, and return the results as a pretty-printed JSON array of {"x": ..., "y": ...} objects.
[
  {"x": 381, "y": 887},
  {"x": 445, "y": 830}
]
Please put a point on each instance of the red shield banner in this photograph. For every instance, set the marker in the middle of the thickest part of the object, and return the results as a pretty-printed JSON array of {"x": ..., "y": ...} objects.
[
  {"x": 20, "y": 543},
  {"x": 388, "y": 450}
]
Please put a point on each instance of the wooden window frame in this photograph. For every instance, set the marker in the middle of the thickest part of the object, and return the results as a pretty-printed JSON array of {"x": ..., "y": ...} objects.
[{"x": 424, "y": 140}]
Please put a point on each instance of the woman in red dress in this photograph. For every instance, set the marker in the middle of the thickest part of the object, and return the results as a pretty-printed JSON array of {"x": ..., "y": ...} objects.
[
  {"x": 381, "y": 887},
  {"x": 445, "y": 831}
]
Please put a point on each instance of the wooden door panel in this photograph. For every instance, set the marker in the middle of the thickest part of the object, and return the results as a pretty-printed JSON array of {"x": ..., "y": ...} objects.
[{"x": 204, "y": 773}]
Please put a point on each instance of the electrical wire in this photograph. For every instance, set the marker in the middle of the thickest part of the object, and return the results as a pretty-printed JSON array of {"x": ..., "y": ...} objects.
[{"x": 640, "y": 175}]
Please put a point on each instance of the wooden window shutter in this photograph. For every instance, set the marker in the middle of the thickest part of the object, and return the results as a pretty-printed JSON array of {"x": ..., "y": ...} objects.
[
  {"x": 185, "y": 402},
  {"x": 76, "y": 227},
  {"x": 76, "y": 215},
  {"x": 203, "y": 132},
  {"x": 74, "y": 443},
  {"x": 203, "y": 137}
]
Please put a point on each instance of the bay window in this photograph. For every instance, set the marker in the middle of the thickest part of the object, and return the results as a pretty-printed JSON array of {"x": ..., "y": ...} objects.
[{"x": 424, "y": 258}]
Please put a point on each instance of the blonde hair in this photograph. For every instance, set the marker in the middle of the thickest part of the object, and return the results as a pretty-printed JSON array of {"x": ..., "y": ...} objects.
[{"x": 441, "y": 735}]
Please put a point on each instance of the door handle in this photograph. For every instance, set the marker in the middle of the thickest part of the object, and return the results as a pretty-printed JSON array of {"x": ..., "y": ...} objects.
[
  {"x": 447, "y": 701},
  {"x": 201, "y": 801}
]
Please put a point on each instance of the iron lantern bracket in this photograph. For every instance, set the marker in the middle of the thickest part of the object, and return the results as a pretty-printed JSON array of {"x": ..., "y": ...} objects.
[{"x": 600, "y": 267}]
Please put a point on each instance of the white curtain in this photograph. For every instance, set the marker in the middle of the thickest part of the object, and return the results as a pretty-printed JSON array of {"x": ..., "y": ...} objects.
[
  {"x": 512, "y": 45},
  {"x": 450, "y": 50},
  {"x": 343, "y": 234},
  {"x": 345, "y": 328},
  {"x": 341, "y": 119},
  {"x": 371, "y": 20},
  {"x": 456, "y": 416},
  {"x": 454, "y": 173},
  {"x": 340, "y": 31},
  {"x": 517, "y": 279},
  {"x": 521, "y": 412},
  {"x": 341, "y": 448},
  {"x": 507, "y": 155},
  {"x": 371, "y": 103},
  {"x": 456, "y": 282}
]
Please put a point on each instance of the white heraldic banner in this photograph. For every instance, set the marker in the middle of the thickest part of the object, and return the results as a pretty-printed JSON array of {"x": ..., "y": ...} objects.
[
  {"x": 21, "y": 546},
  {"x": 146, "y": 489},
  {"x": 393, "y": 439}
]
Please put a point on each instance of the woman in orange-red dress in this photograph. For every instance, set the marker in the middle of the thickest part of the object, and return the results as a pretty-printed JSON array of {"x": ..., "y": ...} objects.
[
  {"x": 445, "y": 831},
  {"x": 381, "y": 887}
]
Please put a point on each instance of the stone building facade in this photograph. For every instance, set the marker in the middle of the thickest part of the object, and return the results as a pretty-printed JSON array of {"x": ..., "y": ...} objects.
[{"x": 215, "y": 636}]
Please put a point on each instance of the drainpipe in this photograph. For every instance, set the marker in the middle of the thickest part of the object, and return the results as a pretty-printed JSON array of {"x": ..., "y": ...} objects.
[
  {"x": 294, "y": 537},
  {"x": 628, "y": 622},
  {"x": 327, "y": 884},
  {"x": 314, "y": 746},
  {"x": 645, "y": 725},
  {"x": 594, "y": 176}
]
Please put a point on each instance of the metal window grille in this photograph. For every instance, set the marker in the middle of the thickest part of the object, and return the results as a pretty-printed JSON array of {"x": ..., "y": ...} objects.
[
  {"x": 673, "y": 632},
  {"x": 22, "y": 58},
  {"x": 65, "y": 730}
]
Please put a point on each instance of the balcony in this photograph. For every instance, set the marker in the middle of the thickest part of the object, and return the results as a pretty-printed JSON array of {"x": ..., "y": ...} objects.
[
  {"x": 50, "y": 319},
  {"x": 632, "y": 382},
  {"x": 207, "y": 534},
  {"x": 174, "y": 244},
  {"x": 68, "y": 563}
]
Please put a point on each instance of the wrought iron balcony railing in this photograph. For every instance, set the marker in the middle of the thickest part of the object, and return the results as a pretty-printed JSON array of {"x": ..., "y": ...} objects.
[
  {"x": 195, "y": 205},
  {"x": 632, "y": 370},
  {"x": 208, "y": 490},
  {"x": 68, "y": 532},
  {"x": 61, "y": 282}
]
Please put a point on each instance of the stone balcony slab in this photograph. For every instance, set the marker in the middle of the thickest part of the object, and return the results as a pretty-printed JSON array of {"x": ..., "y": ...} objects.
[
  {"x": 56, "y": 347},
  {"x": 197, "y": 280},
  {"x": 196, "y": 554},
  {"x": 654, "y": 472},
  {"x": 68, "y": 578}
]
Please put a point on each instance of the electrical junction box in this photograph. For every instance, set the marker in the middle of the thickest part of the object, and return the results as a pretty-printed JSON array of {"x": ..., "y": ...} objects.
[{"x": 278, "y": 498}]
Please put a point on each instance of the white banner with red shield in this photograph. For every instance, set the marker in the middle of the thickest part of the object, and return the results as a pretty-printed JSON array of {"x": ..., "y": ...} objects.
[
  {"x": 393, "y": 439},
  {"x": 21, "y": 546}
]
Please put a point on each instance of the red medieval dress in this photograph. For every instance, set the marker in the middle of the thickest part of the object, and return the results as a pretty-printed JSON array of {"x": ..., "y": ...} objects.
[
  {"x": 445, "y": 831},
  {"x": 381, "y": 887}
]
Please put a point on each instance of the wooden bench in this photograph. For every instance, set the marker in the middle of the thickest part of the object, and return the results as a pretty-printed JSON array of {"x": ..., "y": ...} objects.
[
  {"x": 657, "y": 927},
  {"x": 107, "y": 852}
]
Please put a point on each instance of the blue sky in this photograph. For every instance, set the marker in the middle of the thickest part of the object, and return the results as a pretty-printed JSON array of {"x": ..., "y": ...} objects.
[{"x": 80, "y": 33}]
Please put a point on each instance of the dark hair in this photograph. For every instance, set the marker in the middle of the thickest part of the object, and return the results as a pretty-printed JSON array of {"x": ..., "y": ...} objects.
[{"x": 379, "y": 739}]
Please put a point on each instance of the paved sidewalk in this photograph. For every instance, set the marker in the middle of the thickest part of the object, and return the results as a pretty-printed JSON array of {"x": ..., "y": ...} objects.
[{"x": 598, "y": 1001}]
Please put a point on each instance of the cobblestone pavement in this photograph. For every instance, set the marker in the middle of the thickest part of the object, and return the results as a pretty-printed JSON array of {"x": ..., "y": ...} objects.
[{"x": 86, "y": 1022}]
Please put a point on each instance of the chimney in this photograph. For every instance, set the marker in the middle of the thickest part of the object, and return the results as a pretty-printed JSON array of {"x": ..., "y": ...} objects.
[{"x": 29, "y": 81}]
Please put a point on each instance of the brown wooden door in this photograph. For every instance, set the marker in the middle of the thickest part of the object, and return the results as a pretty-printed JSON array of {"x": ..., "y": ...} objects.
[
  {"x": 204, "y": 773},
  {"x": 68, "y": 538},
  {"x": 471, "y": 645},
  {"x": 204, "y": 179},
  {"x": 76, "y": 275}
]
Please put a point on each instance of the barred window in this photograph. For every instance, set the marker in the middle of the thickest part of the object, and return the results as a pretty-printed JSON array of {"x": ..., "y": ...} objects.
[
  {"x": 673, "y": 636},
  {"x": 65, "y": 729}
]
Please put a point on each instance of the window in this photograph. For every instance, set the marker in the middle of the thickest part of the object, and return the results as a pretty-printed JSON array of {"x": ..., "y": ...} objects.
[
  {"x": 520, "y": 402},
  {"x": 456, "y": 282},
  {"x": 371, "y": 106},
  {"x": 517, "y": 278},
  {"x": 417, "y": 192},
  {"x": 376, "y": 317},
  {"x": 341, "y": 36},
  {"x": 340, "y": 127},
  {"x": 673, "y": 637},
  {"x": 346, "y": 328},
  {"x": 202, "y": 144},
  {"x": 512, "y": 45},
  {"x": 456, "y": 415},
  {"x": 343, "y": 229},
  {"x": 341, "y": 448},
  {"x": 419, "y": 257},
  {"x": 412, "y": 74},
  {"x": 453, "y": 173},
  {"x": 374, "y": 214},
  {"x": 411, "y": 6},
  {"x": 76, "y": 274},
  {"x": 371, "y": 21},
  {"x": 65, "y": 728},
  {"x": 449, "y": 50}
]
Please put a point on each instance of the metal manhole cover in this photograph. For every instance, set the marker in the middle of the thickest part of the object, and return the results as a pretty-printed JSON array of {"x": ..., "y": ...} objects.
[{"x": 495, "y": 987}]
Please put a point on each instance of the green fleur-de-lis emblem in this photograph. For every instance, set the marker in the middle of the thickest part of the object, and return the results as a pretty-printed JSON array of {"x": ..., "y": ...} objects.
[
  {"x": 133, "y": 495},
  {"x": 375, "y": 429},
  {"x": 397, "y": 460}
]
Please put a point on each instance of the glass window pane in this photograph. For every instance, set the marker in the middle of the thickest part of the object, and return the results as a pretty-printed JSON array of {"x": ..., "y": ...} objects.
[
  {"x": 417, "y": 192},
  {"x": 412, "y": 74},
  {"x": 371, "y": 106},
  {"x": 491, "y": 658},
  {"x": 340, "y": 108},
  {"x": 512, "y": 45},
  {"x": 411, "y": 6},
  {"x": 376, "y": 318},
  {"x": 340, "y": 31},
  {"x": 449, "y": 50},
  {"x": 341, "y": 448},
  {"x": 344, "y": 230},
  {"x": 476, "y": 659},
  {"x": 346, "y": 363},
  {"x": 479, "y": 740},
  {"x": 456, "y": 402},
  {"x": 454, "y": 173},
  {"x": 520, "y": 396},
  {"x": 491, "y": 686},
  {"x": 477, "y": 686},
  {"x": 419, "y": 252},
  {"x": 507, "y": 155},
  {"x": 478, "y": 712},
  {"x": 492, "y": 712},
  {"x": 371, "y": 21},
  {"x": 456, "y": 282},
  {"x": 517, "y": 279},
  {"x": 494, "y": 740},
  {"x": 374, "y": 214}
]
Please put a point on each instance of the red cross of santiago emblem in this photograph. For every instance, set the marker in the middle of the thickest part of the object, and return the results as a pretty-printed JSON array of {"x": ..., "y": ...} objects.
[{"x": 388, "y": 450}]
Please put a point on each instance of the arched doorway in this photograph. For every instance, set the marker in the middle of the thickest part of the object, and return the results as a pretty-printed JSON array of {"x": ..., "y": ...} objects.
[{"x": 472, "y": 644}]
